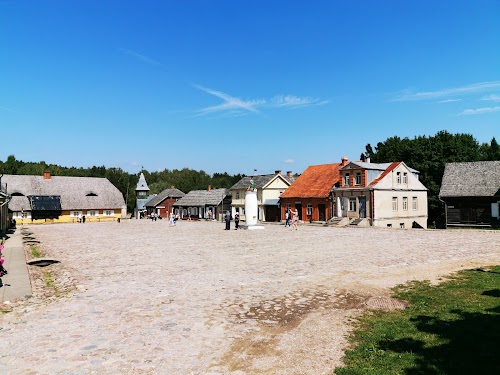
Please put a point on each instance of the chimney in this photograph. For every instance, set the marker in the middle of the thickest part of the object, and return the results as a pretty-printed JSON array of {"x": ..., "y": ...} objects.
[
  {"x": 46, "y": 174},
  {"x": 277, "y": 172},
  {"x": 344, "y": 161},
  {"x": 289, "y": 174},
  {"x": 368, "y": 160},
  {"x": 209, "y": 188}
]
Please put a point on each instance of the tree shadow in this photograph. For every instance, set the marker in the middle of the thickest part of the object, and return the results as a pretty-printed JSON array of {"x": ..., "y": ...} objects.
[{"x": 472, "y": 344}]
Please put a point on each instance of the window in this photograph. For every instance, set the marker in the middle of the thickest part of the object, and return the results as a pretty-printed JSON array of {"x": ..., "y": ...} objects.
[
  {"x": 108, "y": 213},
  {"x": 75, "y": 213},
  {"x": 398, "y": 177},
  {"x": 352, "y": 204},
  {"x": 405, "y": 203},
  {"x": 194, "y": 211},
  {"x": 93, "y": 213},
  {"x": 91, "y": 195},
  {"x": 309, "y": 209},
  {"x": 21, "y": 215},
  {"x": 358, "y": 178},
  {"x": 414, "y": 203},
  {"x": 405, "y": 178},
  {"x": 346, "y": 179},
  {"x": 402, "y": 225},
  {"x": 394, "y": 203},
  {"x": 237, "y": 195}
]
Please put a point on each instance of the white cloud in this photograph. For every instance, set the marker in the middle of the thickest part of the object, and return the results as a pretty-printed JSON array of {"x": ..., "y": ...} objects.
[
  {"x": 289, "y": 161},
  {"x": 294, "y": 101},
  {"x": 140, "y": 57},
  {"x": 479, "y": 111},
  {"x": 408, "y": 95},
  {"x": 492, "y": 97},
  {"x": 450, "y": 100},
  {"x": 235, "y": 106},
  {"x": 230, "y": 102}
]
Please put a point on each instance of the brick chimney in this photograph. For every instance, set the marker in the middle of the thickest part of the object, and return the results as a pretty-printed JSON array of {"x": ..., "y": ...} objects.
[
  {"x": 209, "y": 188},
  {"x": 344, "y": 161},
  {"x": 277, "y": 172},
  {"x": 289, "y": 174},
  {"x": 46, "y": 174}
]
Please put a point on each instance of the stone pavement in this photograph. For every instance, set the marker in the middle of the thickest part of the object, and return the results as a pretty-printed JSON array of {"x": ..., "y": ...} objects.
[{"x": 15, "y": 263}]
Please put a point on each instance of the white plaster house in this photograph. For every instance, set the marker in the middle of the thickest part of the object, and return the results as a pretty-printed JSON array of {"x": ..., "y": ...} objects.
[{"x": 382, "y": 195}]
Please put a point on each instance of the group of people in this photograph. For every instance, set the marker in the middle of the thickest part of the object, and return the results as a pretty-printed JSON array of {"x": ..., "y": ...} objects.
[
  {"x": 292, "y": 218},
  {"x": 227, "y": 219},
  {"x": 81, "y": 218}
]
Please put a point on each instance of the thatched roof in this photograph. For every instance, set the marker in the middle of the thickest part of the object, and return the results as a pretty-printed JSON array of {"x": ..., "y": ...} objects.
[
  {"x": 77, "y": 193},
  {"x": 196, "y": 198},
  {"x": 475, "y": 179},
  {"x": 167, "y": 193}
]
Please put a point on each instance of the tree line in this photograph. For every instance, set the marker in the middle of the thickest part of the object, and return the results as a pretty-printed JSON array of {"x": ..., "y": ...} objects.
[
  {"x": 429, "y": 155},
  {"x": 184, "y": 179}
]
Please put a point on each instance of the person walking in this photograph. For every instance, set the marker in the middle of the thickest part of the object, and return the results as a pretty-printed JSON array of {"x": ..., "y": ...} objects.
[
  {"x": 295, "y": 218},
  {"x": 287, "y": 218},
  {"x": 236, "y": 221},
  {"x": 227, "y": 218}
]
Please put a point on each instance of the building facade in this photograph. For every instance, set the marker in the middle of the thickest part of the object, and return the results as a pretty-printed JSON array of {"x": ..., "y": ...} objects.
[
  {"x": 40, "y": 199},
  {"x": 310, "y": 193},
  {"x": 269, "y": 188},
  {"x": 471, "y": 194},
  {"x": 198, "y": 204},
  {"x": 163, "y": 203},
  {"x": 383, "y": 195}
]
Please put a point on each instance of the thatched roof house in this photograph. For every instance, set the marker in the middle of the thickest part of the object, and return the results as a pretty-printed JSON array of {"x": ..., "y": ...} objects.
[
  {"x": 471, "y": 192},
  {"x": 80, "y": 194}
]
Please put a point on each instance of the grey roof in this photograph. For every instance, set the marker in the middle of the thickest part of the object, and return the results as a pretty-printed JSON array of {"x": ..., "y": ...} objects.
[
  {"x": 72, "y": 190},
  {"x": 475, "y": 179},
  {"x": 167, "y": 193},
  {"x": 142, "y": 185},
  {"x": 259, "y": 181},
  {"x": 202, "y": 198},
  {"x": 376, "y": 166}
]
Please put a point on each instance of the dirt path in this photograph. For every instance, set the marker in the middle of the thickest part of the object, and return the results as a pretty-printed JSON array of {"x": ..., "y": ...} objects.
[{"x": 195, "y": 299}]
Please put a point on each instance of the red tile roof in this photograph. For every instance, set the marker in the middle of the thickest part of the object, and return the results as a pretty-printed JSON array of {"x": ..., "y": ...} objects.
[
  {"x": 316, "y": 181},
  {"x": 385, "y": 173}
]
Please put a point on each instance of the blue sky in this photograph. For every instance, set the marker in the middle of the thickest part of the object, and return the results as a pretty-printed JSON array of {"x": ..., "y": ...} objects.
[{"x": 233, "y": 86}]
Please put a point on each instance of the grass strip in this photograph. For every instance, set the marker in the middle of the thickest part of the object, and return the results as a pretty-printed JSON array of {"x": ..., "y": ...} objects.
[{"x": 451, "y": 328}]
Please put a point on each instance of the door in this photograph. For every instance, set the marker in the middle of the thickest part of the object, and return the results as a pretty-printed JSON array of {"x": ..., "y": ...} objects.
[
  {"x": 298, "y": 206},
  {"x": 322, "y": 212},
  {"x": 362, "y": 207}
]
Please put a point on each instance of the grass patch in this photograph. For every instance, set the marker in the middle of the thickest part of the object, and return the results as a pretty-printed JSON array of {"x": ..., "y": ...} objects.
[
  {"x": 49, "y": 281},
  {"x": 35, "y": 253},
  {"x": 452, "y": 328}
]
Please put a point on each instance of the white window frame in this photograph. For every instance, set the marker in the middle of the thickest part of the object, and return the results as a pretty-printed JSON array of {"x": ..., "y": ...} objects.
[
  {"x": 394, "y": 203},
  {"x": 405, "y": 203},
  {"x": 93, "y": 213},
  {"x": 108, "y": 213},
  {"x": 237, "y": 195},
  {"x": 414, "y": 203},
  {"x": 358, "y": 178},
  {"x": 352, "y": 204},
  {"x": 398, "y": 177},
  {"x": 75, "y": 213},
  {"x": 405, "y": 178},
  {"x": 347, "y": 179},
  {"x": 309, "y": 209}
]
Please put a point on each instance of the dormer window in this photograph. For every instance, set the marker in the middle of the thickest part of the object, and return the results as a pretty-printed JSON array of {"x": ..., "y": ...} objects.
[
  {"x": 347, "y": 179},
  {"x": 17, "y": 194},
  {"x": 358, "y": 178},
  {"x": 91, "y": 195}
]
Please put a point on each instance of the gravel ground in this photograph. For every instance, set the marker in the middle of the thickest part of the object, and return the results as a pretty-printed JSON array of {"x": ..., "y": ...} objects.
[{"x": 141, "y": 297}]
